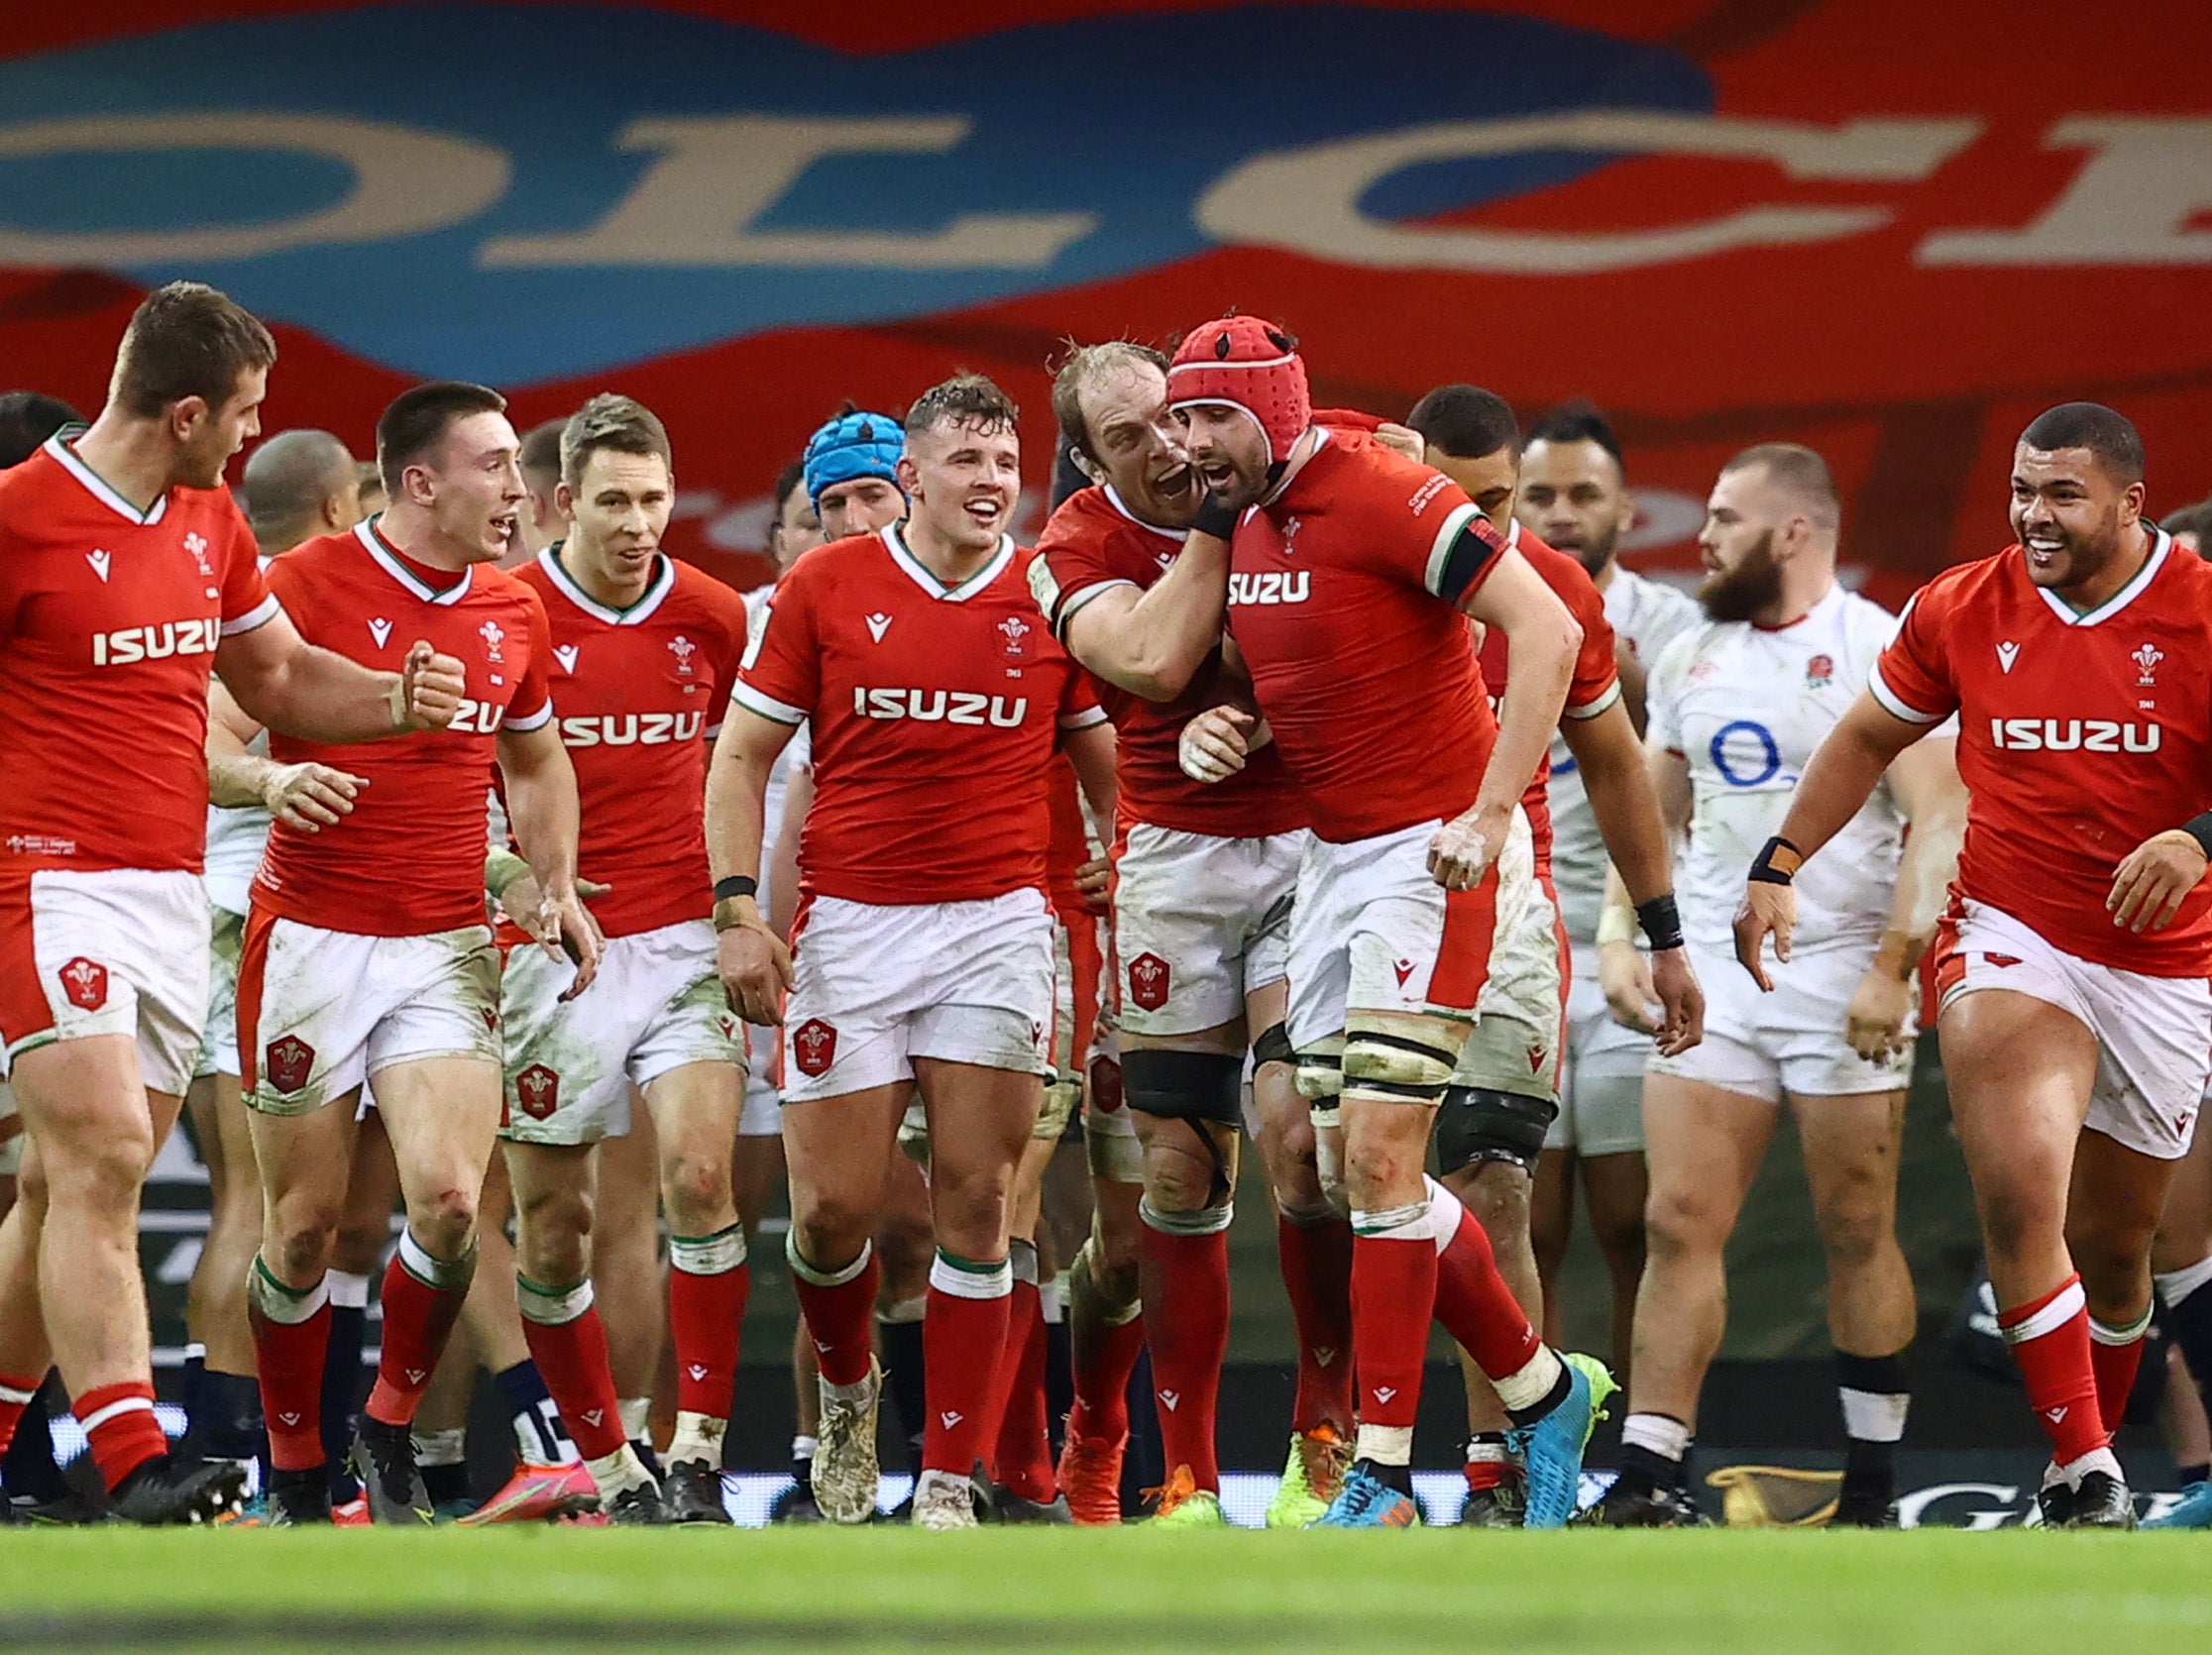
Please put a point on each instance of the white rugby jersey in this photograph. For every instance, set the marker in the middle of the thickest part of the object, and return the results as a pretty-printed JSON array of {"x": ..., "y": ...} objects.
[
  {"x": 1647, "y": 616},
  {"x": 1746, "y": 705},
  {"x": 235, "y": 838}
]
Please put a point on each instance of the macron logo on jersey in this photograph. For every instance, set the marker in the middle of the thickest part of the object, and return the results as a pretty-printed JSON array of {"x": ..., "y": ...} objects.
[
  {"x": 100, "y": 561},
  {"x": 2065, "y": 735},
  {"x": 380, "y": 630},
  {"x": 566, "y": 654},
  {"x": 878, "y": 624},
  {"x": 2007, "y": 654},
  {"x": 940, "y": 706}
]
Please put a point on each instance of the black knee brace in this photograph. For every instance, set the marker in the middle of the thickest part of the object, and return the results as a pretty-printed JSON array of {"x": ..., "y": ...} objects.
[
  {"x": 1185, "y": 1086},
  {"x": 1476, "y": 1125}
]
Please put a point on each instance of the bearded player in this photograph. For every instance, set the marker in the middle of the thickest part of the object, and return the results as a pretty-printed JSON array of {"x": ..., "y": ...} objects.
[
  {"x": 923, "y": 948},
  {"x": 125, "y": 573},
  {"x": 2072, "y": 964},
  {"x": 1352, "y": 574},
  {"x": 366, "y": 956},
  {"x": 645, "y": 650},
  {"x": 1203, "y": 884}
]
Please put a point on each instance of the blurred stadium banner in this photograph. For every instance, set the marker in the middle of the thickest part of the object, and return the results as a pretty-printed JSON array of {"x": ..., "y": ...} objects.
[{"x": 1725, "y": 222}]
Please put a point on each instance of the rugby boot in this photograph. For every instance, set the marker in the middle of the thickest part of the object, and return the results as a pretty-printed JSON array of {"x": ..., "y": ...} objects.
[
  {"x": 1089, "y": 1477},
  {"x": 692, "y": 1489},
  {"x": 1634, "y": 1505},
  {"x": 2192, "y": 1509},
  {"x": 298, "y": 1498},
  {"x": 943, "y": 1500},
  {"x": 847, "y": 1473},
  {"x": 1366, "y": 1501},
  {"x": 383, "y": 1459},
  {"x": 161, "y": 1493},
  {"x": 2101, "y": 1501},
  {"x": 637, "y": 1507},
  {"x": 538, "y": 1494},
  {"x": 1180, "y": 1504},
  {"x": 1311, "y": 1476},
  {"x": 1550, "y": 1449}
]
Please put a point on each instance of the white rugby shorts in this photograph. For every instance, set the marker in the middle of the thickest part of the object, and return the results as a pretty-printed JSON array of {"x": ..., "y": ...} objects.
[
  {"x": 1520, "y": 1030},
  {"x": 1600, "y": 1101},
  {"x": 2153, "y": 1033},
  {"x": 320, "y": 1012},
  {"x": 105, "y": 951},
  {"x": 656, "y": 1005},
  {"x": 11, "y": 1135},
  {"x": 762, "y": 1115},
  {"x": 1791, "y": 1041},
  {"x": 877, "y": 985},
  {"x": 1200, "y": 923},
  {"x": 218, "y": 1053},
  {"x": 1371, "y": 929}
]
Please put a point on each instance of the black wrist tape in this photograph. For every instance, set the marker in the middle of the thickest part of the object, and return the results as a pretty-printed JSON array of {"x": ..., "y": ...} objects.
[
  {"x": 1778, "y": 862},
  {"x": 1661, "y": 921},
  {"x": 736, "y": 885},
  {"x": 1216, "y": 518}
]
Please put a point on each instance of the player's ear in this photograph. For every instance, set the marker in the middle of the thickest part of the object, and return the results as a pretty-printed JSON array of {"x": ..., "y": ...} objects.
[
  {"x": 910, "y": 475},
  {"x": 564, "y": 500},
  {"x": 2131, "y": 504},
  {"x": 185, "y": 414}
]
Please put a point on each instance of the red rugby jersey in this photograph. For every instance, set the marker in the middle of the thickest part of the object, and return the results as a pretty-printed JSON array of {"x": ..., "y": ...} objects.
[
  {"x": 934, "y": 712},
  {"x": 409, "y": 859},
  {"x": 1597, "y": 680},
  {"x": 1344, "y": 595},
  {"x": 109, "y": 621},
  {"x": 1093, "y": 545},
  {"x": 2080, "y": 736},
  {"x": 642, "y": 692}
]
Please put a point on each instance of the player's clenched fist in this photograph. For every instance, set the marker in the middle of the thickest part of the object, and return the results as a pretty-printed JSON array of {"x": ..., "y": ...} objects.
[
  {"x": 310, "y": 796},
  {"x": 431, "y": 689},
  {"x": 755, "y": 969},
  {"x": 1214, "y": 744},
  {"x": 2149, "y": 888},
  {"x": 1465, "y": 847}
]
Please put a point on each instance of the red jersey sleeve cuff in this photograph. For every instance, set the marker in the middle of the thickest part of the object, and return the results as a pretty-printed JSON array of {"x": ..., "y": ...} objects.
[
  {"x": 1072, "y": 602},
  {"x": 531, "y": 721},
  {"x": 1896, "y": 706},
  {"x": 768, "y": 706},
  {"x": 260, "y": 614},
  {"x": 1084, "y": 718},
  {"x": 1599, "y": 702}
]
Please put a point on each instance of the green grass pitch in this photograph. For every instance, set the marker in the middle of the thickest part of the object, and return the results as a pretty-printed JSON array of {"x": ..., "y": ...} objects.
[{"x": 551, "y": 1591}]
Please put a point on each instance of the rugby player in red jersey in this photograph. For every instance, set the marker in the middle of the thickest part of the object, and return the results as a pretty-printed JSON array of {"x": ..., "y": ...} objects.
[
  {"x": 125, "y": 573},
  {"x": 366, "y": 956},
  {"x": 644, "y": 652},
  {"x": 2075, "y": 1013},
  {"x": 1203, "y": 881},
  {"x": 935, "y": 697},
  {"x": 1353, "y": 570},
  {"x": 1504, "y": 1097}
]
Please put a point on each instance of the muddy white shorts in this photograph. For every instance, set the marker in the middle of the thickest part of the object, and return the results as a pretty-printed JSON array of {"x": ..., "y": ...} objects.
[
  {"x": 105, "y": 951},
  {"x": 218, "y": 1054},
  {"x": 1200, "y": 922},
  {"x": 877, "y": 985},
  {"x": 1601, "y": 1091},
  {"x": 319, "y": 1012},
  {"x": 656, "y": 1005},
  {"x": 1761, "y": 1045},
  {"x": 1371, "y": 928},
  {"x": 762, "y": 1115},
  {"x": 1519, "y": 1022},
  {"x": 2153, "y": 1033}
]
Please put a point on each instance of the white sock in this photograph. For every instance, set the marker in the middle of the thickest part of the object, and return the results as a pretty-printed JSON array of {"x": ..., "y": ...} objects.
[
  {"x": 1533, "y": 1382},
  {"x": 697, "y": 1436},
  {"x": 1385, "y": 1445},
  {"x": 1656, "y": 1432},
  {"x": 613, "y": 1473}
]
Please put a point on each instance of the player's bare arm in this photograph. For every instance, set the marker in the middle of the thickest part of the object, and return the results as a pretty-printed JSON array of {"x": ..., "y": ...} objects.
[
  {"x": 542, "y": 808},
  {"x": 305, "y": 797},
  {"x": 1153, "y": 642},
  {"x": 1839, "y": 779},
  {"x": 754, "y": 963},
  {"x": 1543, "y": 637},
  {"x": 1625, "y": 803},
  {"x": 1624, "y": 974},
  {"x": 288, "y": 685},
  {"x": 783, "y": 861},
  {"x": 1092, "y": 751},
  {"x": 1924, "y": 780}
]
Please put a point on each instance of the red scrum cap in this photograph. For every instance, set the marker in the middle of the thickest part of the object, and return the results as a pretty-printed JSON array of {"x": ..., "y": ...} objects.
[{"x": 1243, "y": 362}]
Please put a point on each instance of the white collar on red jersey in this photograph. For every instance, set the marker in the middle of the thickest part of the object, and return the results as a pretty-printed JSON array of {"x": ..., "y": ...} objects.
[
  {"x": 895, "y": 543},
  {"x": 2160, "y": 543},
  {"x": 659, "y": 586},
  {"x": 98, "y": 486},
  {"x": 389, "y": 559},
  {"x": 1115, "y": 501}
]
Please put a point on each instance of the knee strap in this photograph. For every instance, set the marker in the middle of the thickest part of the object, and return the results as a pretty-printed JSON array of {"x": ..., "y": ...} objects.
[
  {"x": 1272, "y": 1047},
  {"x": 1477, "y": 1124},
  {"x": 1399, "y": 1067},
  {"x": 1322, "y": 1071},
  {"x": 1185, "y": 1086}
]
